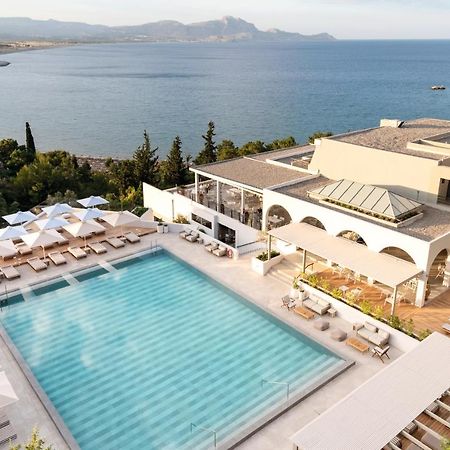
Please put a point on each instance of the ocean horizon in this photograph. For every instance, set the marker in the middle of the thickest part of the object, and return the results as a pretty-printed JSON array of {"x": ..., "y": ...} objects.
[{"x": 97, "y": 99}]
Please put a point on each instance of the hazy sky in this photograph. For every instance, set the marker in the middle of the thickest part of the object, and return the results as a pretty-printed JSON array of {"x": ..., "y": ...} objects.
[{"x": 372, "y": 19}]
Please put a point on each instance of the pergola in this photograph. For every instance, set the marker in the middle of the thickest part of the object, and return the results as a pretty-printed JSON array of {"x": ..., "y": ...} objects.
[{"x": 381, "y": 267}]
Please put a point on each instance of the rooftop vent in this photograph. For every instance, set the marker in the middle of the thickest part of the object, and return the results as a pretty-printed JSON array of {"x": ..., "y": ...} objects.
[{"x": 391, "y": 123}]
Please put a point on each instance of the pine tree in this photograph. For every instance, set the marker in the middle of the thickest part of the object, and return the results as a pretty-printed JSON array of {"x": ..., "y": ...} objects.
[
  {"x": 227, "y": 150},
  {"x": 29, "y": 139},
  {"x": 209, "y": 152},
  {"x": 175, "y": 168},
  {"x": 146, "y": 163}
]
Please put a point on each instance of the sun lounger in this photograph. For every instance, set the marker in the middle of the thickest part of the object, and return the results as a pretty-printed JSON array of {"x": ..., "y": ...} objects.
[
  {"x": 431, "y": 441},
  {"x": 7, "y": 434},
  {"x": 3, "y": 420},
  {"x": 184, "y": 234},
  {"x": 211, "y": 247},
  {"x": 97, "y": 248},
  {"x": 77, "y": 252},
  {"x": 132, "y": 238},
  {"x": 115, "y": 242},
  {"x": 37, "y": 264},
  {"x": 57, "y": 258},
  {"x": 23, "y": 249},
  {"x": 9, "y": 255},
  {"x": 221, "y": 251},
  {"x": 10, "y": 272},
  {"x": 192, "y": 237}
]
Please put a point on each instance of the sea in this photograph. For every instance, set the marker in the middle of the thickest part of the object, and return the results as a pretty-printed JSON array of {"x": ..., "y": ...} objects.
[{"x": 98, "y": 99}]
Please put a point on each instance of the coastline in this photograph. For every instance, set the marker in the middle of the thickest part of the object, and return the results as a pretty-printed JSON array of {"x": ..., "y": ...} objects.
[{"x": 25, "y": 46}]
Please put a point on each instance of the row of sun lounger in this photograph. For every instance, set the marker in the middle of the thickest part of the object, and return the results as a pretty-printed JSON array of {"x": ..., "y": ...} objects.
[
  {"x": 37, "y": 264},
  {"x": 7, "y": 433},
  {"x": 212, "y": 247}
]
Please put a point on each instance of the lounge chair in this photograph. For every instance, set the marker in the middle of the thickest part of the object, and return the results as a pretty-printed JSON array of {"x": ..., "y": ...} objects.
[
  {"x": 37, "y": 264},
  {"x": 220, "y": 251},
  {"x": 115, "y": 242},
  {"x": 184, "y": 234},
  {"x": 23, "y": 249},
  {"x": 57, "y": 258},
  {"x": 132, "y": 238},
  {"x": 211, "y": 247},
  {"x": 97, "y": 248},
  {"x": 380, "y": 352},
  {"x": 288, "y": 302},
  {"x": 10, "y": 272},
  {"x": 77, "y": 252},
  {"x": 446, "y": 327},
  {"x": 7, "y": 434},
  {"x": 432, "y": 441},
  {"x": 193, "y": 237},
  {"x": 9, "y": 255}
]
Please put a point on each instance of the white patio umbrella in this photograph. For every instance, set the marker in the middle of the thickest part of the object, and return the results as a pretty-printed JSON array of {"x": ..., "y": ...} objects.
[
  {"x": 42, "y": 238},
  {"x": 57, "y": 209},
  {"x": 122, "y": 218},
  {"x": 93, "y": 200},
  {"x": 51, "y": 223},
  {"x": 12, "y": 232},
  {"x": 88, "y": 214},
  {"x": 20, "y": 217},
  {"x": 7, "y": 248},
  {"x": 83, "y": 229},
  {"x": 7, "y": 393}
]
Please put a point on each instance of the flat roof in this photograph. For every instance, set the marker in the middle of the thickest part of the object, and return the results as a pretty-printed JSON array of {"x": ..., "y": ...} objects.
[
  {"x": 251, "y": 172},
  {"x": 284, "y": 155},
  {"x": 433, "y": 224},
  {"x": 370, "y": 416},
  {"x": 396, "y": 139},
  {"x": 382, "y": 267}
]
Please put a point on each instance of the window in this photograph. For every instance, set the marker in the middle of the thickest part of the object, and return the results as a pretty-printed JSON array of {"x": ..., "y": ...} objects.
[{"x": 202, "y": 221}]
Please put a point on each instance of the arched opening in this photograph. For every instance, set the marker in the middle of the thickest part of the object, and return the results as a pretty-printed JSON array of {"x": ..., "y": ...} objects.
[
  {"x": 314, "y": 222},
  {"x": 398, "y": 253},
  {"x": 352, "y": 236},
  {"x": 277, "y": 216},
  {"x": 438, "y": 278}
]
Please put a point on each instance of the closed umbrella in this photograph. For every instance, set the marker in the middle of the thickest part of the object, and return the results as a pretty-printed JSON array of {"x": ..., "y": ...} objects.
[
  {"x": 7, "y": 393},
  {"x": 12, "y": 232},
  {"x": 7, "y": 249},
  {"x": 42, "y": 238},
  {"x": 51, "y": 223},
  {"x": 88, "y": 214},
  {"x": 84, "y": 229},
  {"x": 122, "y": 218},
  {"x": 20, "y": 217},
  {"x": 93, "y": 200},
  {"x": 57, "y": 209}
]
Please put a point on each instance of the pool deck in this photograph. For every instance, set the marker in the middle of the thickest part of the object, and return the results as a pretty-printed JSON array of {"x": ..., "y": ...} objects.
[{"x": 236, "y": 274}]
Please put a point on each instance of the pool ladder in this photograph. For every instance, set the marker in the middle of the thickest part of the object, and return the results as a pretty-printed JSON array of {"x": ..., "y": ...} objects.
[
  {"x": 209, "y": 430},
  {"x": 153, "y": 247},
  {"x": 284, "y": 383}
]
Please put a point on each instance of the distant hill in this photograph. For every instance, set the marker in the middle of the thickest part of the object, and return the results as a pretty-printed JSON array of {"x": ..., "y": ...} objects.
[{"x": 226, "y": 29}]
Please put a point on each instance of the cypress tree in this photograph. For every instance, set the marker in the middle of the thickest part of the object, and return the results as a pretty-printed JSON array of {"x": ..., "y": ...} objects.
[
  {"x": 29, "y": 139},
  {"x": 209, "y": 152},
  {"x": 146, "y": 163},
  {"x": 175, "y": 168}
]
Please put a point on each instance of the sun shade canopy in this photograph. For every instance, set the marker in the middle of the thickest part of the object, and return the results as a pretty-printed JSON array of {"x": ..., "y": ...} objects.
[
  {"x": 370, "y": 416},
  {"x": 57, "y": 209},
  {"x": 371, "y": 199},
  {"x": 384, "y": 268},
  {"x": 12, "y": 232},
  {"x": 93, "y": 200},
  {"x": 7, "y": 393},
  {"x": 20, "y": 217}
]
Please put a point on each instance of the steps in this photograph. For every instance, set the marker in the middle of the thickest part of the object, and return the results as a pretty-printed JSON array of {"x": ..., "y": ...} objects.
[{"x": 286, "y": 270}]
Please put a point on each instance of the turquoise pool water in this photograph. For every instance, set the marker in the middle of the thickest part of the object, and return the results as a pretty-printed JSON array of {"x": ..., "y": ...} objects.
[{"x": 131, "y": 358}]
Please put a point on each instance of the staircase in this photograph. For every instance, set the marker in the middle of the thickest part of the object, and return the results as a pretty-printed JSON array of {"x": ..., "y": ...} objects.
[{"x": 285, "y": 272}]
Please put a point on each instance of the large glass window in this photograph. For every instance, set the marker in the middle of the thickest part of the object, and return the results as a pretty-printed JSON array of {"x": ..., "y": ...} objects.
[{"x": 202, "y": 221}]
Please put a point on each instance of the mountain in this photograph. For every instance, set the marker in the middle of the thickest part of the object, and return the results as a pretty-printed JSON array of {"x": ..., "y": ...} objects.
[{"x": 226, "y": 29}]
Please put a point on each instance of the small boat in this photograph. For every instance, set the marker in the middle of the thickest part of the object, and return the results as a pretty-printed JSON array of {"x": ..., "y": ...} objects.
[
  {"x": 438, "y": 88},
  {"x": 4, "y": 63}
]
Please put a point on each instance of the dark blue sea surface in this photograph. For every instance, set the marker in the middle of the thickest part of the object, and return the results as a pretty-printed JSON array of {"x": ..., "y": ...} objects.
[{"x": 97, "y": 99}]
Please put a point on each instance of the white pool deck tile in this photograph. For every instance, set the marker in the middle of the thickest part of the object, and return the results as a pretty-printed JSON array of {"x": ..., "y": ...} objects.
[{"x": 266, "y": 292}]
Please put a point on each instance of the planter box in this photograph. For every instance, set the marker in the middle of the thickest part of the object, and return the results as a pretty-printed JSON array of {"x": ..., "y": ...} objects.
[
  {"x": 262, "y": 267},
  {"x": 160, "y": 228},
  {"x": 166, "y": 228}
]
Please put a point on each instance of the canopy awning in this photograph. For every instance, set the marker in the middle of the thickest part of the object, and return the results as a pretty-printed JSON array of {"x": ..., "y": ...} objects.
[
  {"x": 383, "y": 268},
  {"x": 370, "y": 416}
]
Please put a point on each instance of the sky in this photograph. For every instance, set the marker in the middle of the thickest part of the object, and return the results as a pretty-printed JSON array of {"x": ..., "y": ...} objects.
[{"x": 345, "y": 19}]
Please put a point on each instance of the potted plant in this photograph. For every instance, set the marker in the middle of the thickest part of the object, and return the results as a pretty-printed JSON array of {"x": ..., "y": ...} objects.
[
  {"x": 294, "y": 292},
  {"x": 160, "y": 227},
  {"x": 166, "y": 228}
]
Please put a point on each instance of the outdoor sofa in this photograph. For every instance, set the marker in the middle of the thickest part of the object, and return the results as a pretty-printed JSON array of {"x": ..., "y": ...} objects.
[
  {"x": 316, "y": 304},
  {"x": 372, "y": 334},
  {"x": 220, "y": 251}
]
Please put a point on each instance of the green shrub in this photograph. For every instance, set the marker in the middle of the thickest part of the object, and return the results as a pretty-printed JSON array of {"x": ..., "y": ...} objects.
[
  {"x": 408, "y": 327},
  {"x": 264, "y": 255},
  {"x": 313, "y": 280},
  {"x": 350, "y": 298},
  {"x": 324, "y": 284},
  {"x": 378, "y": 312},
  {"x": 423, "y": 334},
  {"x": 366, "y": 307},
  {"x": 336, "y": 293},
  {"x": 35, "y": 443},
  {"x": 395, "y": 322},
  {"x": 181, "y": 219}
]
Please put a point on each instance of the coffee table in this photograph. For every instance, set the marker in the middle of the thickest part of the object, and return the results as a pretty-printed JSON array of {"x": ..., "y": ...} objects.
[
  {"x": 356, "y": 343},
  {"x": 305, "y": 313}
]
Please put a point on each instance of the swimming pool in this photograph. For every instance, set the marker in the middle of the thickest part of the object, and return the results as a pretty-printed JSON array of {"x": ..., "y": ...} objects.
[{"x": 132, "y": 357}]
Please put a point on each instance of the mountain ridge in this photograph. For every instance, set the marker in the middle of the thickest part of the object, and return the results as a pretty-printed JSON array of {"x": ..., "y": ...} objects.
[{"x": 226, "y": 29}]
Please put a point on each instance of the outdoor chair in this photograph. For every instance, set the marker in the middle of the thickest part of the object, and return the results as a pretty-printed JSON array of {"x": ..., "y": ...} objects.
[
  {"x": 380, "y": 352},
  {"x": 288, "y": 302},
  {"x": 211, "y": 247},
  {"x": 192, "y": 237},
  {"x": 97, "y": 247},
  {"x": 37, "y": 264},
  {"x": 132, "y": 238},
  {"x": 10, "y": 272},
  {"x": 57, "y": 258},
  {"x": 220, "y": 251},
  {"x": 115, "y": 242},
  {"x": 184, "y": 234},
  {"x": 77, "y": 252}
]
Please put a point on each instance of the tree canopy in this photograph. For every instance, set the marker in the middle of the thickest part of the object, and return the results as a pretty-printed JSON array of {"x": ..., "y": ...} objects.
[{"x": 209, "y": 152}]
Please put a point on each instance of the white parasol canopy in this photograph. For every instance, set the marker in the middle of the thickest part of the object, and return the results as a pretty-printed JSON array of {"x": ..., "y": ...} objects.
[
  {"x": 57, "y": 209},
  {"x": 7, "y": 393},
  {"x": 84, "y": 229},
  {"x": 7, "y": 249},
  {"x": 93, "y": 200},
  {"x": 122, "y": 218},
  {"x": 12, "y": 232},
  {"x": 51, "y": 223},
  {"x": 42, "y": 238},
  {"x": 88, "y": 214},
  {"x": 20, "y": 217}
]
